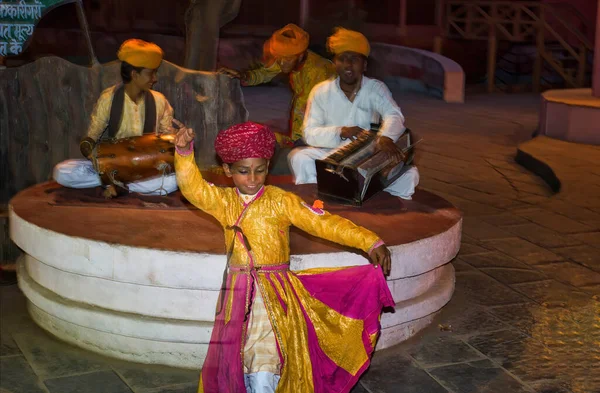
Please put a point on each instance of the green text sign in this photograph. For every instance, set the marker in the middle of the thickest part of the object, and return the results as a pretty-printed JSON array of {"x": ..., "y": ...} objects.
[{"x": 17, "y": 21}]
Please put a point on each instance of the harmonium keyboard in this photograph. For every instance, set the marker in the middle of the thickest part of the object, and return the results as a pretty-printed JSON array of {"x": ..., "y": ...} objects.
[{"x": 353, "y": 173}]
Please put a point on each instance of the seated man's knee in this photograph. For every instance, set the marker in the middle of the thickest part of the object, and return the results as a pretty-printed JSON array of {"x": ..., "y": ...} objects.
[
  {"x": 64, "y": 172},
  {"x": 58, "y": 173},
  {"x": 302, "y": 164},
  {"x": 298, "y": 157},
  {"x": 160, "y": 185},
  {"x": 170, "y": 183},
  {"x": 76, "y": 173},
  {"x": 414, "y": 175},
  {"x": 404, "y": 186}
]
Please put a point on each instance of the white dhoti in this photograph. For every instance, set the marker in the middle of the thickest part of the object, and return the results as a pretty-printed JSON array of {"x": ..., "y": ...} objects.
[
  {"x": 261, "y": 357},
  {"x": 261, "y": 382},
  {"x": 80, "y": 173},
  {"x": 302, "y": 164}
]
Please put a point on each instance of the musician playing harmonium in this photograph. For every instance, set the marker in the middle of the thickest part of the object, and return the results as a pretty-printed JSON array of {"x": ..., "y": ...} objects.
[
  {"x": 339, "y": 110},
  {"x": 137, "y": 110}
]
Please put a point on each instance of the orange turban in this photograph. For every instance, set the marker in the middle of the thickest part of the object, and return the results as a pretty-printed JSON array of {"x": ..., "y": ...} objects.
[
  {"x": 289, "y": 41},
  {"x": 140, "y": 53},
  {"x": 344, "y": 40}
]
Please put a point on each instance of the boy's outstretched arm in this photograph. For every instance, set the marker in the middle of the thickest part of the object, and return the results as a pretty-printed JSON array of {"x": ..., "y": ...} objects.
[{"x": 320, "y": 223}]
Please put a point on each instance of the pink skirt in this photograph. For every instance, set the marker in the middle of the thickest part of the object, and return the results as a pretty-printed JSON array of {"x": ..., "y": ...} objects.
[{"x": 325, "y": 321}]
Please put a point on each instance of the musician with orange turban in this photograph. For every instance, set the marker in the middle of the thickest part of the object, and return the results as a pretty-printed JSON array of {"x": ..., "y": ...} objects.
[
  {"x": 340, "y": 109},
  {"x": 127, "y": 109},
  {"x": 287, "y": 52},
  {"x": 276, "y": 330}
]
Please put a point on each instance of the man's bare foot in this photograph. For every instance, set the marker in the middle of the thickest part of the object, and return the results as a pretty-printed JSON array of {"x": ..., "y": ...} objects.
[{"x": 110, "y": 192}]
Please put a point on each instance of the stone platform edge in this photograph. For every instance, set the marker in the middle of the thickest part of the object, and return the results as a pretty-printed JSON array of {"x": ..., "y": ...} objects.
[{"x": 538, "y": 166}]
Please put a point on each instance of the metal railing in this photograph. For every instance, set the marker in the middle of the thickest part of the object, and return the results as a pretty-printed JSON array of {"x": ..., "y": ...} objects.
[{"x": 523, "y": 21}]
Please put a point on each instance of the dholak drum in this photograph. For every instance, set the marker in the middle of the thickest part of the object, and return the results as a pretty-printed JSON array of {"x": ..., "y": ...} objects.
[{"x": 127, "y": 160}]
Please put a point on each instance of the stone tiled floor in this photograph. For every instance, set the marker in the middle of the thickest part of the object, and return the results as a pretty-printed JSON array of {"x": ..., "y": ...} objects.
[{"x": 525, "y": 316}]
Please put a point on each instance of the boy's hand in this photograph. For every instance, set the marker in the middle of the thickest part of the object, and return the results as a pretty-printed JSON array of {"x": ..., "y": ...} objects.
[
  {"x": 381, "y": 256},
  {"x": 184, "y": 136}
]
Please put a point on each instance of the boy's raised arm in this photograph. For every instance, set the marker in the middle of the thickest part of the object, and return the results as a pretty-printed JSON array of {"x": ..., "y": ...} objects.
[{"x": 202, "y": 194}]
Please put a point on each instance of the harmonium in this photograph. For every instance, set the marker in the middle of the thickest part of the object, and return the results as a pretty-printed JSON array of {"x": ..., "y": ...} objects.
[{"x": 353, "y": 173}]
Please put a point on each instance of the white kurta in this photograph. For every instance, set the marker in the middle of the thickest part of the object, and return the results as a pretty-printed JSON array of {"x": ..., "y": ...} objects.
[{"x": 329, "y": 110}]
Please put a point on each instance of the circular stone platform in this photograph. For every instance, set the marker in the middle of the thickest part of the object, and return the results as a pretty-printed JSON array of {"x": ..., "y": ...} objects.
[
  {"x": 571, "y": 115},
  {"x": 138, "y": 279}
]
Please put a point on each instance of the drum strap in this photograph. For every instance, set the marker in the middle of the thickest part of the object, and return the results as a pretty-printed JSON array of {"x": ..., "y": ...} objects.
[{"x": 116, "y": 112}]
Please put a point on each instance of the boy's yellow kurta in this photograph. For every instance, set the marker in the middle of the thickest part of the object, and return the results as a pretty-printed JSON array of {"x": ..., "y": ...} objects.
[
  {"x": 266, "y": 224},
  {"x": 315, "y": 70},
  {"x": 345, "y": 342}
]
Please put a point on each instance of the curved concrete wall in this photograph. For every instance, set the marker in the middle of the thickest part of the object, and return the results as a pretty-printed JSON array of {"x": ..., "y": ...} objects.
[
  {"x": 406, "y": 68},
  {"x": 420, "y": 70},
  {"x": 571, "y": 115},
  {"x": 154, "y": 306}
]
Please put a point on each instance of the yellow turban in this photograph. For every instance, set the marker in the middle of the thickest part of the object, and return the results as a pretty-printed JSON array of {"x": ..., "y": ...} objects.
[
  {"x": 289, "y": 41},
  {"x": 344, "y": 40},
  {"x": 140, "y": 53}
]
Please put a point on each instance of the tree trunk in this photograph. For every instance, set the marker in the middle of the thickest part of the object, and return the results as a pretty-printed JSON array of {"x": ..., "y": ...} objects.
[{"x": 203, "y": 20}]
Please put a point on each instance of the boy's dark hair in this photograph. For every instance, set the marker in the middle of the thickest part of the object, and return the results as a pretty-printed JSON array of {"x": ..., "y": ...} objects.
[{"x": 126, "y": 70}]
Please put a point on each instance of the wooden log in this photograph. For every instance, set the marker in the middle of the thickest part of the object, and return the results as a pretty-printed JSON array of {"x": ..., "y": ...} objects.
[{"x": 203, "y": 19}]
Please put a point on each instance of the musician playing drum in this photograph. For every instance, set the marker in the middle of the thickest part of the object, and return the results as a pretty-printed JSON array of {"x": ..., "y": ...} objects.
[
  {"x": 340, "y": 109},
  {"x": 138, "y": 110}
]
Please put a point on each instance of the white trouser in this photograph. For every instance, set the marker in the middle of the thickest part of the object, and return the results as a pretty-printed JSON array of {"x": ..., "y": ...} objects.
[
  {"x": 261, "y": 382},
  {"x": 80, "y": 173},
  {"x": 302, "y": 163}
]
